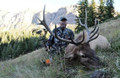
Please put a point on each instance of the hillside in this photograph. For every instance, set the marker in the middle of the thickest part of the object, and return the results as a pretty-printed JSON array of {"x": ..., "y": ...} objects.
[{"x": 31, "y": 65}]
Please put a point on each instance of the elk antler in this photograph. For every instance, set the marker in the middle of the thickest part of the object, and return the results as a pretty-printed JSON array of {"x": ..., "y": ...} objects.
[
  {"x": 43, "y": 22},
  {"x": 93, "y": 32}
]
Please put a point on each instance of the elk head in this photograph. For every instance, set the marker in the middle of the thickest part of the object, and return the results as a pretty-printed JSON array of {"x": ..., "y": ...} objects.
[{"x": 79, "y": 47}]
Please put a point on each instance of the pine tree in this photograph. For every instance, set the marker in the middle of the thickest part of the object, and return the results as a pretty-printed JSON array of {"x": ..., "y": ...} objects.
[
  {"x": 101, "y": 11},
  {"x": 110, "y": 8},
  {"x": 92, "y": 13},
  {"x": 93, "y": 4}
]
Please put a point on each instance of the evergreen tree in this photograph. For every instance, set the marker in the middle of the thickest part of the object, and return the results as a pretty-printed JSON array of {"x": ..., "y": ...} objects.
[
  {"x": 92, "y": 13},
  {"x": 93, "y": 5},
  {"x": 102, "y": 11},
  {"x": 110, "y": 8}
]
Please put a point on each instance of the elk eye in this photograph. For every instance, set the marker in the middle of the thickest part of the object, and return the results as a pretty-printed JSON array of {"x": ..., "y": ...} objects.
[{"x": 83, "y": 56}]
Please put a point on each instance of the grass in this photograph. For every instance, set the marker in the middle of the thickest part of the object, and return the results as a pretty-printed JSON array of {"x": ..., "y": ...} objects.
[{"x": 31, "y": 65}]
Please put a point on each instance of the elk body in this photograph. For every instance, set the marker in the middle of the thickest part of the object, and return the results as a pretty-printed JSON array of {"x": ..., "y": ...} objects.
[
  {"x": 79, "y": 47},
  {"x": 100, "y": 42},
  {"x": 72, "y": 50},
  {"x": 85, "y": 51}
]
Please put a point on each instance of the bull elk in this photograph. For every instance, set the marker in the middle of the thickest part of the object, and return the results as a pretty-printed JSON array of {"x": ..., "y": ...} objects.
[{"x": 79, "y": 47}]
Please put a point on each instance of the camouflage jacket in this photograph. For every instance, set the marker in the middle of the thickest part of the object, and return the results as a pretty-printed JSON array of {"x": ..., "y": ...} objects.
[{"x": 66, "y": 33}]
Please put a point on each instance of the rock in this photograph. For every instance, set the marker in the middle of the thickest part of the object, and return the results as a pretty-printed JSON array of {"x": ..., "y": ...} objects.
[
  {"x": 100, "y": 74},
  {"x": 29, "y": 17}
]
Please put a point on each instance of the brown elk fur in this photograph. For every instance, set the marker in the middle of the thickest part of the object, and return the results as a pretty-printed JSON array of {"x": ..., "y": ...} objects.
[{"x": 100, "y": 42}]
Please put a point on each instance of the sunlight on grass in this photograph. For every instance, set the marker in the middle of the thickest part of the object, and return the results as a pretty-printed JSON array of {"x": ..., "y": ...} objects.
[{"x": 31, "y": 65}]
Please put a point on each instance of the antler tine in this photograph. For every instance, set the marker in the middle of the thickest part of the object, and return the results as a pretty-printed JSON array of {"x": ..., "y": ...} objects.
[
  {"x": 93, "y": 38},
  {"x": 85, "y": 25},
  {"x": 85, "y": 19},
  {"x": 43, "y": 22},
  {"x": 40, "y": 21},
  {"x": 95, "y": 26},
  {"x": 78, "y": 43},
  {"x": 96, "y": 31},
  {"x": 81, "y": 22}
]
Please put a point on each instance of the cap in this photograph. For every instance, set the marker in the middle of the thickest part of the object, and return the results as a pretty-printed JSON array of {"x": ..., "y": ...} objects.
[{"x": 63, "y": 19}]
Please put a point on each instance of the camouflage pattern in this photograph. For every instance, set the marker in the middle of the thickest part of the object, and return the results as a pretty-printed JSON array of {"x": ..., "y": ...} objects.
[{"x": 66, "y": 33}]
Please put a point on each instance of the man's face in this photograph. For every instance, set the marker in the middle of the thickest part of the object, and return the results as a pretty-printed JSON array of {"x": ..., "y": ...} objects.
[{"x": 63, "y": 24}]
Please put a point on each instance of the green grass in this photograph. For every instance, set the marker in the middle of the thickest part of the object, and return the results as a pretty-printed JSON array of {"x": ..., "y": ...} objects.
[{"x": 31, "y": 65}]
